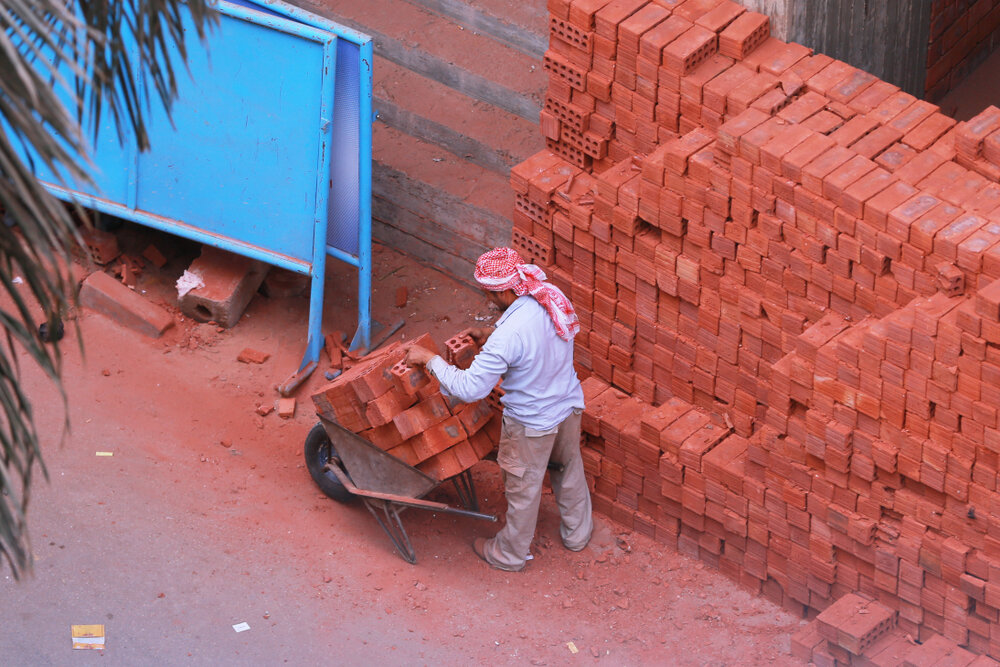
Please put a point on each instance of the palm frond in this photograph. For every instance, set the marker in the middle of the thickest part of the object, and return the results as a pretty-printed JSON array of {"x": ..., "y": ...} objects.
[{"x": 62, "y": 65}]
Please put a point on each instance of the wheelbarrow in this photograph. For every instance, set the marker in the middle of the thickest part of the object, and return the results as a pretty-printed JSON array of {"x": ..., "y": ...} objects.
[{"x": 344, "y": 466}]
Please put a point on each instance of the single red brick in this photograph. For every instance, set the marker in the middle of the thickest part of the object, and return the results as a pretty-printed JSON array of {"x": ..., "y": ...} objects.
[
  {"x": 718, "y": 18},
  {"x": 853, "y": 130},
  {"x": 812, "y": 174},
  {"x": 420, "y": 417},
  {"x": 877, "y": 208},
  {"x": 731, "y": 131},
  {"x": 901, "y": 219},
  {"x": 438, "y": 438},
  {"x": 696, "y": 45},
  {"x": 876, "y": 142},
  {"x": 850, "y": 86},
  {"x": 812, "y": 147},
  {"x": 912, "y": 116},
  {"x": 475, "y": 416},
  {"x": 252, "y": 356},
  {"x": 835, "y": 183},
  {"x": 744, "y": 34},
  {"x": 929, "y": 130},
  {"x": 923, "y": 230},
  {"x": 805, "y": 106},
  {"x": 947, "y": 239},
  {"x": 772, "y": 151},
  {"x": 461, "y": 350},
  {"x": 384, "y": 437},
  {"x": 776, "y": 57},
  {"x": 829, "y": 76},
  {"x": 408, "y": 379},
  {"x": 286, "y": 407},
  {"x": 382, "y": 409}
]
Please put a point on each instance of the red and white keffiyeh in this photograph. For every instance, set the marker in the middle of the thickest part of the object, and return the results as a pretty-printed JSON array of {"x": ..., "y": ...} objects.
[{"x": 503, "y": 269}]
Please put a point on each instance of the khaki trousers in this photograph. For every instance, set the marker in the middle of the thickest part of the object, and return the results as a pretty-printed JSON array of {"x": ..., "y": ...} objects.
[{"x": 523, "y": 456}]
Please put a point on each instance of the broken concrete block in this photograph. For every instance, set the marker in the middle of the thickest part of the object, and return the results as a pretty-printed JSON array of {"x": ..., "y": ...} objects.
[
  {"x": 104, "y": 294},
  {"x": 230, "y": 282},
  {"x": 282, "y": 283}
]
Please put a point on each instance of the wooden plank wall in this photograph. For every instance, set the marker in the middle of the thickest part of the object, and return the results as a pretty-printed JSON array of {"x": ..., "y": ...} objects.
[{"x": 887, "y": 39}]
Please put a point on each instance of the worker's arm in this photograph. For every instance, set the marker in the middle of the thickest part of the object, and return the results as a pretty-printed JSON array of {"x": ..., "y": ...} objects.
[{"x": 469, "y": 385}]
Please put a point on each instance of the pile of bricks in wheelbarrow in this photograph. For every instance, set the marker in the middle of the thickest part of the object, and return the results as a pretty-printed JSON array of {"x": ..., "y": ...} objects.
[
  {"x": 402, "y": 410},
  {"x": 810, "y": 256}
]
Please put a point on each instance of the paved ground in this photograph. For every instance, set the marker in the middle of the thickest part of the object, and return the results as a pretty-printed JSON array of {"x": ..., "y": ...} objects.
[{"x": 205, "y": 517}]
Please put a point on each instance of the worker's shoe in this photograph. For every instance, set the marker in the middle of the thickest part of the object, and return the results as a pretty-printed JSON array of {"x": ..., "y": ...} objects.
[
  {"x": 479, "y": 546},
  {"x": 577, "y": 548}
]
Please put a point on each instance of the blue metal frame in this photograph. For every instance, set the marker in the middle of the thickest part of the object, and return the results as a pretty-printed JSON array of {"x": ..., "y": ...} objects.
[
  {"x": 341, "y": 223},
  {"x": 361, "y": 255}
]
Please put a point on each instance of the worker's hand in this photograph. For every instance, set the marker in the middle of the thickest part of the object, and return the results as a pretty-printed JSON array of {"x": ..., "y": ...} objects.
[
  {"x": 480, "y": 334},
  {"x": 418, "y": 356}
]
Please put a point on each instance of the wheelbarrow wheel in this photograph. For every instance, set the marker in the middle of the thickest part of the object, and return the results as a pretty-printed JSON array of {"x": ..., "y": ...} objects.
[{"x": 319, "y": 451}]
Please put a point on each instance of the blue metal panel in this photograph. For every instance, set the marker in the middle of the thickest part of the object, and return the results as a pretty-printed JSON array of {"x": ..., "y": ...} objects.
[
  {"x": 237, "y": 156},
  {"x": 349, "y": 217},
  {"x": 267, "y": 152}
]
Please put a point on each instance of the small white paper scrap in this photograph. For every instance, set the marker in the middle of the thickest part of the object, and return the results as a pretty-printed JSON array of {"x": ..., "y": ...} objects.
[
  {"x": 105, "y": 453},
  {"x": 241, "y": 627},
  {"x": 187, "y": 282}
]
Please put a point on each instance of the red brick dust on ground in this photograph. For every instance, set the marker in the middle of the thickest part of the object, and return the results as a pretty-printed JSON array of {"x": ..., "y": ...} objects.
[{"x": 204, "y": 516}]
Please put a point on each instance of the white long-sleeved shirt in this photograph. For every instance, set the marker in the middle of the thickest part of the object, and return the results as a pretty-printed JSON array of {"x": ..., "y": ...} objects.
[{"x": 539, "y": 382}]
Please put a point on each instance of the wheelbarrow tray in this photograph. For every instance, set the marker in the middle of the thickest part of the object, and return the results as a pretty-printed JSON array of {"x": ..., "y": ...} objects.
[
  {"x": 373, "y": 470},
  {"x": 387, "y": 485}
]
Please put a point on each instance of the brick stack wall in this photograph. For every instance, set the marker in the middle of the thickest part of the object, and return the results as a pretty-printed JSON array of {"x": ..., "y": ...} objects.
[
  {"x": 962, "y": 34},
  {"x": 402, "y": 411},
  {"x": 784, "y": 270}
]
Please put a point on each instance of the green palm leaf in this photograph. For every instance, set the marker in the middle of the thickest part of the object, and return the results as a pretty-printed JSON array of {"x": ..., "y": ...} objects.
[{"x": 52, "y": 50}]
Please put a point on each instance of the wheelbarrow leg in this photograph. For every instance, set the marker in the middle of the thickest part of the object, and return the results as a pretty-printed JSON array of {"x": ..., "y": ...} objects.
[
  {"x": 466, "y": 490},
  {"x": 393, "y": 527}
]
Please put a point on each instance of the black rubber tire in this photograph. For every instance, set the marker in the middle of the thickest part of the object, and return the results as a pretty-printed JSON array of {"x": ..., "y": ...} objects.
[{"x": 318, "y": 452}]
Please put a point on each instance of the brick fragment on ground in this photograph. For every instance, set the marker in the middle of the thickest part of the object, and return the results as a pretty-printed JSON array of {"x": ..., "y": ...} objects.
[
  {"x": 286, "y": 407},
  {"x": 155, "y": 257},
  {"x": 104, "y": 294},
  {"x": 101, "y": 246},
  {"x": 252, "y": 356}
]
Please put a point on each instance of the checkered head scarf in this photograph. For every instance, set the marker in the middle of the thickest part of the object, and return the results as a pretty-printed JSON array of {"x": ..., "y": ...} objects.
[{"x": 503, "y": 269}]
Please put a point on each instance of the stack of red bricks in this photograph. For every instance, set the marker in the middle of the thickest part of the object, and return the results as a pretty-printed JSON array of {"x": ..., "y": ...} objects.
[
  {"x": 802, "y": 256},
  {"x": 402, "y": 410},
  {"x": 895, "y": 421}
]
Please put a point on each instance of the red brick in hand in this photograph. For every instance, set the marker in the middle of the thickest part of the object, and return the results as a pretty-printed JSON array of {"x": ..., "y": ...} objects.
[{"x": 461, "y": 350}]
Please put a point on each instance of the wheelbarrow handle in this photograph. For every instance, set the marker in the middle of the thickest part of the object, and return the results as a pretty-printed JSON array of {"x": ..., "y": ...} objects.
[{"x": 407, "y": 501}]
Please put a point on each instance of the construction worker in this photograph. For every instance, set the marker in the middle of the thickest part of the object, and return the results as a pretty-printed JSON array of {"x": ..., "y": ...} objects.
[{"x": 531, "y": 349}]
